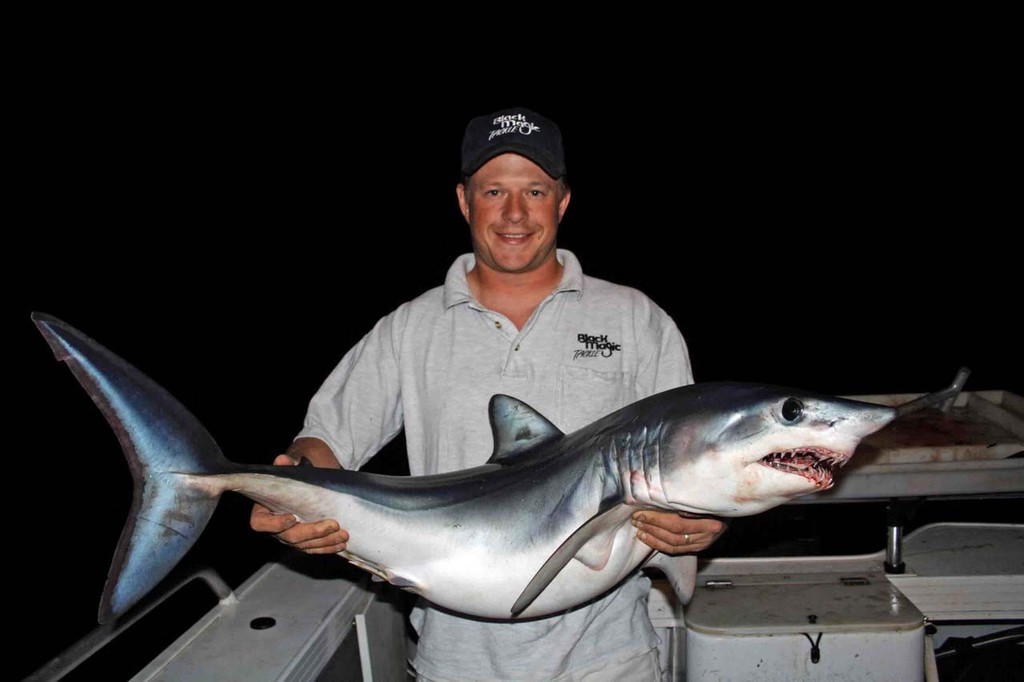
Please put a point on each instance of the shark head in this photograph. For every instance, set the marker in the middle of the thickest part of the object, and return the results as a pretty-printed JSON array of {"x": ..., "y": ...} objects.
[{"x": 739, "y": 449}]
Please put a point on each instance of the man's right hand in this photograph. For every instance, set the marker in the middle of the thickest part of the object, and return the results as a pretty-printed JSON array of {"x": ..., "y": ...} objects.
[{"x": 319, "y": 537}]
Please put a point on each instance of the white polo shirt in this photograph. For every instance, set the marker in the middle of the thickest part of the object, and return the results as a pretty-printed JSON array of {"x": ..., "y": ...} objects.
[{"x": 432, "y": 365}]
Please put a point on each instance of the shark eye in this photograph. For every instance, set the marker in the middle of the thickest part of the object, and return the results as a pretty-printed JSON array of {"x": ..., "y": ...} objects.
[{"x": 792, "y": 410}]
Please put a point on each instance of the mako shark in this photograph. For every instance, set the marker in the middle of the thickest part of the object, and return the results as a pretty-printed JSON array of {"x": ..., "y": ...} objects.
[{"x": 541, "y": 527}]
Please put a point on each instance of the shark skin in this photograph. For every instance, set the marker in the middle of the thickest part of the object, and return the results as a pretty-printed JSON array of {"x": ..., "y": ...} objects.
[{"x": 541, "y": 527}]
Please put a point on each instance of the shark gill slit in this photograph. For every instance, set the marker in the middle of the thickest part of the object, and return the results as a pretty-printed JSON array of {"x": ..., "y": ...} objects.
[
  {"x": 636, "y": 461},
  {"x": 652, "y": 464},
  {"x": 619, "y": 487},
  {"x": 622, "y": 452},
  {"x": 635, "y": 457}
]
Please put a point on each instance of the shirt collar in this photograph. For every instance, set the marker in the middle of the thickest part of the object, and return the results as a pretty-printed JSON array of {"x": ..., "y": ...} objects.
[{"x": 456, "y": 288}]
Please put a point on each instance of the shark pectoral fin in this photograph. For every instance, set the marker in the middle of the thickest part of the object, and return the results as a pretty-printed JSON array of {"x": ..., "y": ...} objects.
[
  {"x": 591, "y": 544},
  {"x": 681, "y": 572}
]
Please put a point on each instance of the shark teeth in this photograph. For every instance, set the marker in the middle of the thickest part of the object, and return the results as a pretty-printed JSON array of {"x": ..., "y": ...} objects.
[{"x": 814, "y": 464}]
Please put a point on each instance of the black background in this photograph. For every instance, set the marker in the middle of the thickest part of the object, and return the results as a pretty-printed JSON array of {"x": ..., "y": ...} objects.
[{"x": 232, "y": 227}]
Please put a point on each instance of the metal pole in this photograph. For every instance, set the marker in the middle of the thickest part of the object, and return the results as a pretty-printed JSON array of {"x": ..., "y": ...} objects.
[{"x": 894, "y": 544}]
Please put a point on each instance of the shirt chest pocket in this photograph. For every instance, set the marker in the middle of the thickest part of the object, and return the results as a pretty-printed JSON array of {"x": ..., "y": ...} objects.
[{"x": 589, "y": 394}]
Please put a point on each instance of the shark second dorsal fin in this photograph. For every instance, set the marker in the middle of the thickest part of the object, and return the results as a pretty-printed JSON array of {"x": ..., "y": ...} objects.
[{"x": 517, "y": 427}]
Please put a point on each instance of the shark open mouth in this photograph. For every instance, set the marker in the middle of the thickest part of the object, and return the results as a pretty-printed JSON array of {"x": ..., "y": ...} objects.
[{"x": 814, "y": 464}]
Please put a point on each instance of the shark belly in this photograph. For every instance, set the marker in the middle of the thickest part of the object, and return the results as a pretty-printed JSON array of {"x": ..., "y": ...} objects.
[
  {"x": 481, "y": 570},
  {"x": 458, "y": 556}
]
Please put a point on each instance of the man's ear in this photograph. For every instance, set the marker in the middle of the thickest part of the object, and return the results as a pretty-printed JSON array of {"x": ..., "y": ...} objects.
[
  {"x": 460, "y": 192},
  {"x": 564, "y": 204}
]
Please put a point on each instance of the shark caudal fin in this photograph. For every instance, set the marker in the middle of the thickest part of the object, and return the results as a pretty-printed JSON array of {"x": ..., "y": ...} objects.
[{"x": 161, "y": 441}]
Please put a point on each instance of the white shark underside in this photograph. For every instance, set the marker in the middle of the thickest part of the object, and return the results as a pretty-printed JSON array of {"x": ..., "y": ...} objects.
[
  {"x": 542, "y": 527},
  {"x": 467, "y": 556}
]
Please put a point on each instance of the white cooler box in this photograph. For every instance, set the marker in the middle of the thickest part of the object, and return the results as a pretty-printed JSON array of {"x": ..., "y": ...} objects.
[{"x": 767, "y": 627}]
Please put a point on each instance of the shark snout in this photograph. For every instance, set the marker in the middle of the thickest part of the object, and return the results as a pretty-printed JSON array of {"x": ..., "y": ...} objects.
[{"x": 867, "y": 419}]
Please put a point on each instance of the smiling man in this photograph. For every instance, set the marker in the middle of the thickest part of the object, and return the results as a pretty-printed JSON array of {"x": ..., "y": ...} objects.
[
  {"x": 519, "y": 317},
  {"x": 513, "y": 209}
]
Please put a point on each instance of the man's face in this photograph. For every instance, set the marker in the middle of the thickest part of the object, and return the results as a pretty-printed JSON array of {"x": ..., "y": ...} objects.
[{"x": 513, "y": 209}]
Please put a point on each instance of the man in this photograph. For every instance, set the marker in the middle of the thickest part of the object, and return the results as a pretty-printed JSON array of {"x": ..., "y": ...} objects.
[{"x": 517, "y": 316}]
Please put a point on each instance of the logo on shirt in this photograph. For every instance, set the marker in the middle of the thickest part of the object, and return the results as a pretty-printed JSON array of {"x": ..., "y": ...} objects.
[{"x": 594, "y": 346}]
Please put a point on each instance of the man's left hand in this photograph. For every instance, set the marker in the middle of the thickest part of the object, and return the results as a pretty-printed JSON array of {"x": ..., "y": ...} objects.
[{"x": 673, "y": 533}]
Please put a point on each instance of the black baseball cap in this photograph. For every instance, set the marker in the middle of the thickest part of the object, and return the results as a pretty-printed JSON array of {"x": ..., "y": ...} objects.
[{"x": 517, "y": 130}]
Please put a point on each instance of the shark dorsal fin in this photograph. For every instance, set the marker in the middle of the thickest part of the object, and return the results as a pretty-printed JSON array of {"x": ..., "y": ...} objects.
[{"x": 517, "y": 427}]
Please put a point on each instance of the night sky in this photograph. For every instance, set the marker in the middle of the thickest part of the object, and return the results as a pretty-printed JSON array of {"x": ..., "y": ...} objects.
[{"x": 233, "y": 237}]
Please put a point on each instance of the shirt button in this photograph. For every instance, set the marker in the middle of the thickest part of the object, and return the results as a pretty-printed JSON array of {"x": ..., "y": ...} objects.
[{"x": 497, "y": 323}]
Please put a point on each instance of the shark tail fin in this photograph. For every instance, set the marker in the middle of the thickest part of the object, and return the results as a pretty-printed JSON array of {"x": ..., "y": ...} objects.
[{"x": 165, "y": 445}]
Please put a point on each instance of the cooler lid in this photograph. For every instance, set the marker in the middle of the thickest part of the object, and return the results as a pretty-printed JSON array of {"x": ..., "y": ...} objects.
[{"x": 787, "y": 604}]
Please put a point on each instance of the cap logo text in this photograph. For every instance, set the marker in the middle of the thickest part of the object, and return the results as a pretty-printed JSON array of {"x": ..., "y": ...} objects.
[{"x": 512, "y": 123}]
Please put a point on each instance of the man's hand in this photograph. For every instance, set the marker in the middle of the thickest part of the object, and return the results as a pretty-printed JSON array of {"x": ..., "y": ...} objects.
[
  {"x": 320, "y": 537},
  {"x": 674, "y": 533}
]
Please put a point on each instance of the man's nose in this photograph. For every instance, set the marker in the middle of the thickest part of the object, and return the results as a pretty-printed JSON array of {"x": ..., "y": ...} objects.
[{"x": 515, "y": 208}]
